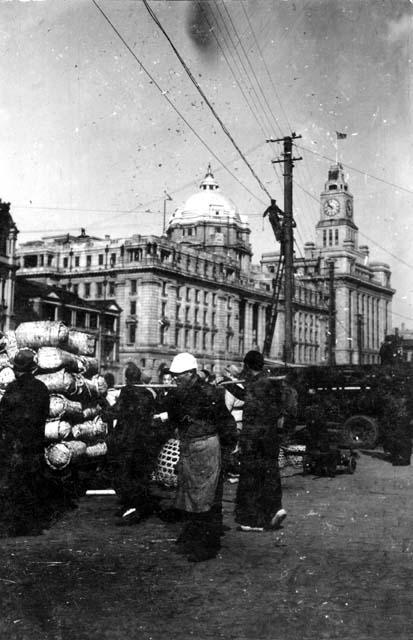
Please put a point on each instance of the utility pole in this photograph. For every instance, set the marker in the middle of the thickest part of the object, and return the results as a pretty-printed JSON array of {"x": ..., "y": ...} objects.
[
  {"x": 166, "y": 198},
  {"x": 288, "y": 241},
  {"x": 331, "y": 315}
]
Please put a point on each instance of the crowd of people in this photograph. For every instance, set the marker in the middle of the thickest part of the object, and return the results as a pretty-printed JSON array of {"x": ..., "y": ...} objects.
[{"x": 228, "y": 427}]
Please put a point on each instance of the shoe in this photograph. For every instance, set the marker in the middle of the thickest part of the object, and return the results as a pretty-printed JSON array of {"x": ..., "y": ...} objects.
[
  {"x": 129, "y": 517},
  {"x": 233, "y": 480},
  {"x": 245, "y": 527},
  {"x": 278, "y": 519}
]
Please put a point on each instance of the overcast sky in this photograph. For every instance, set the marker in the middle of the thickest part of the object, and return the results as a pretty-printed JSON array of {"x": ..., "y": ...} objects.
[{"x": 88, "y": 139}]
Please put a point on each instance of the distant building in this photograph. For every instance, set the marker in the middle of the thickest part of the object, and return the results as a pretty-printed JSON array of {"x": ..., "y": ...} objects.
[
  {"x": 195, "y": 288},
  {"x": 38, "y": 301},
  {"x": 192, "y": 289},
  {"x": 362, "y": 288},
  {"x": 8, "y": 266}
]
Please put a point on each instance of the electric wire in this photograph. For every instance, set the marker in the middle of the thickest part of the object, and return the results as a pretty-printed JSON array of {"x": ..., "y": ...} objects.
[
  {"x": 174, "y": 107},
  {"x": 254, "y": 112},
  {"x": 266, "y": 68},
  {"x": 254, "y": 75},
  {"x": 207, "y": 102},
  {"x": 352, "y": 168}
]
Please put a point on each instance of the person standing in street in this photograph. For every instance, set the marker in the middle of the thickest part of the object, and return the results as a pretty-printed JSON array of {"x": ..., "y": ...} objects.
[
  {"x": 197, "y": 410},
  {"x": 24, "y": 409},
  {"x": 258, "y": 504},
  {"x": 133, "y": 448}
]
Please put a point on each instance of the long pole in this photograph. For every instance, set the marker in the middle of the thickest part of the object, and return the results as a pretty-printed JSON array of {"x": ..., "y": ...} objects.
[
  {"x": 288, "y": 242},
  {"x": 288, "y": 249}
]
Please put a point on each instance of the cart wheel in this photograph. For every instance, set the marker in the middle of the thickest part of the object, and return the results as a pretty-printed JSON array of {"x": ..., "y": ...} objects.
[{"x": 352, "y": 465}]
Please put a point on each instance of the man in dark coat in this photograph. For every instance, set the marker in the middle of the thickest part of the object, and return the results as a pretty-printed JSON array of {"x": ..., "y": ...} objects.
[
  {"x": 24, "y": 409},
  {"x": 259, "y": 493},
  {"x": 134, "y": 447},
  {"x": 197, "y": 410}
]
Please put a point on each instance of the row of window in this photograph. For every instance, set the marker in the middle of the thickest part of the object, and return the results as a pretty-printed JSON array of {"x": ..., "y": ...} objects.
[
  {"x": 103, "y": 259},
  {"x": 94, "y": 290}
]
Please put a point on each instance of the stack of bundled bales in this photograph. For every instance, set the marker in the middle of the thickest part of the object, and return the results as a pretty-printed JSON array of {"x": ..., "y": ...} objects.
[
  {"x": 68, "y": 368},
  {"x": 8, "y": 349}
]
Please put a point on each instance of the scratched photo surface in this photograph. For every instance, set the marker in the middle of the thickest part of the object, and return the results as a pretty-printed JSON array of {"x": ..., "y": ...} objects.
[{"x": 143, "y": 144}]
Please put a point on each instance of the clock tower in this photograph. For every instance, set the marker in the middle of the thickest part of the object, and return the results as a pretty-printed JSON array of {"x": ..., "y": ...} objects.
[{"x": 336, "y": 224}]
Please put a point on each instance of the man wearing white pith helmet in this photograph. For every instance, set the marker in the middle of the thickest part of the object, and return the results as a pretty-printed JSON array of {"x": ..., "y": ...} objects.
[{"x": 204, "y": 425}]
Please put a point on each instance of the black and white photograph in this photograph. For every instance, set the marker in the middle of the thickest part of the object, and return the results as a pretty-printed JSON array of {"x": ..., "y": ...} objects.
[{"x": 206, "y": 321}]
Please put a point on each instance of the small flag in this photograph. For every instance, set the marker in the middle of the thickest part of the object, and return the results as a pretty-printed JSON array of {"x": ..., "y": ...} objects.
[{"x": 341, "y": 136}]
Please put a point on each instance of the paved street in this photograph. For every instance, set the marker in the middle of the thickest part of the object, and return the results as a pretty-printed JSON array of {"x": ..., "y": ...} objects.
[{"x": 340, "y": 568}]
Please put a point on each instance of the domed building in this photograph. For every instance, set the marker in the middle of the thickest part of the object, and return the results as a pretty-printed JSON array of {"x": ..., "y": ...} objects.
[{"x": 210, "y": 221}]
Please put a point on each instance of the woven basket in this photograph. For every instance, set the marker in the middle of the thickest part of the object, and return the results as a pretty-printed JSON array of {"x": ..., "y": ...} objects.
[
  {"x": 96, "y": 450},
  {"x": 57, "y": 430},
  {"x": 6, "y": 376},
  {"x": 167, "y": 460},
  {"x": 294, "y": 455},
  {"x": 80, "y": 342},
  {"x": 77, "y": 448},
  {"x": 44, "y": 333},
  {"x": 58, "y": 456},
  {"x": 90, "y": 430},
  {"x": 282, "y": 460},
  {"x": 60, "y": 406},
  {"x": 59, "y": 382}
]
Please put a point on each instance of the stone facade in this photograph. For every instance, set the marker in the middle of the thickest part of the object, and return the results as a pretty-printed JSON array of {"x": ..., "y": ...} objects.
[
  {"x": 195, "y": 288},
  {"x": 362, "y": 288}
]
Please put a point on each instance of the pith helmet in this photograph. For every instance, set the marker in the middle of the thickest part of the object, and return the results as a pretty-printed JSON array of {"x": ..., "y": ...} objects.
[{"x": 183, "y": 362}]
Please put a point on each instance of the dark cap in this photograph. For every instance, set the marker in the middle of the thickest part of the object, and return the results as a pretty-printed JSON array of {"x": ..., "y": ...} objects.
[
  {"x": 254, "y": 360},
  {"x": 25, "y": 361},
  {"x": 132, "y": 373}
]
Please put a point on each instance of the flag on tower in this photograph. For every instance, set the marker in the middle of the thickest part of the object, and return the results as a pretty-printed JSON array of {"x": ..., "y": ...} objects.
[{"x": 340, "y": 135}]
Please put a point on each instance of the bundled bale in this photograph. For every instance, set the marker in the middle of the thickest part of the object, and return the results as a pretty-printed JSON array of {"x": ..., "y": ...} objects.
[
  {"x": 96, "y": 450},
  {"x": 59, "y": 382},
  {"x": 90, "y": 429},
  {"x": 101, "y": 385},
  {"x": 91, "y": 390},
  {"x": 57, "y": 430},
  {"x": 45, "y": 333},
  {"x": 91, "y": 412},
  {"x": 54, "y": 358},
  {"x": 6, "y": 376},
  {"x": 77, "y": 448},
  {"x": 5, "y": 361},
  {"x": 88, "y": 366},
  {"x": 62, "y": 407},
  {"x": 80, "y": 342},
  {"x": 58, "y": 456},
  {"x": 11, "y": 344},
  {"x": 167, "y": 460}
]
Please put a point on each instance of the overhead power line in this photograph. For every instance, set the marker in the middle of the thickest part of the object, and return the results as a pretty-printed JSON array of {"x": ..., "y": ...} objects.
[
  {"x": 174, "y": 107},
  {"x": 207, "y": 102},
  {"x": 351, "y": 168}
]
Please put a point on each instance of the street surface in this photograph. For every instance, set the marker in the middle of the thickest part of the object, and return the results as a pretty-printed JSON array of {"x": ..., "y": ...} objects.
[{"x": 340, "y": 568}]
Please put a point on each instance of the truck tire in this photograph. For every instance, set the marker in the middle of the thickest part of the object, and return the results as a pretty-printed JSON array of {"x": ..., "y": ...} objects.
[{"x": 362, "y": 431}]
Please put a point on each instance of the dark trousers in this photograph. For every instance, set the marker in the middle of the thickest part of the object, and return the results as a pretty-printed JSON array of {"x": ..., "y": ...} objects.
[
  {"x": 259, "y": 491},
  {"x": 203, "y": 531}
]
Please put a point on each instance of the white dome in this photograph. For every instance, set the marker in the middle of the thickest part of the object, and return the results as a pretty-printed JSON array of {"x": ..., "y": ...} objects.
[{"x": 207, "y": 204}]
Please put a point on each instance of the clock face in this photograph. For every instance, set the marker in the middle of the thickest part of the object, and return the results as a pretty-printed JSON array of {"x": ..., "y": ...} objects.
[
  {"x": 349, "y": 208},
  {"x": 332, "y": 207}
]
